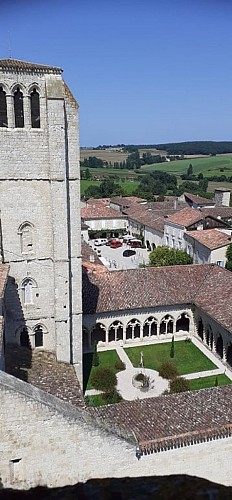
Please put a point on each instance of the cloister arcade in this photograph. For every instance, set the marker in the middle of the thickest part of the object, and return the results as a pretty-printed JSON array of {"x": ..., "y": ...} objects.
[
  {"x": 219, "y": 341},
  {"x": 139, "y": 327}
]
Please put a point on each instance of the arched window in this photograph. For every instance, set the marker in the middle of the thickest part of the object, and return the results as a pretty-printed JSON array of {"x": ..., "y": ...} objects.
[
  {"x": 3, "y": 109},
  {"x": 38, "y": 336},
  {"x": 26, "y": 238},
  {"x": 28, "y": 292},
  {"x": 18, "y": 109},
  {"x": 35, "y": 109}
]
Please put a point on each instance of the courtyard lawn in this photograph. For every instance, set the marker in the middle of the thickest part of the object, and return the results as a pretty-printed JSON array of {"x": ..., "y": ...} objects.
[
  {"x": 96, "y": 400},
  {"x": 206, "y": 382},
  {"x": 188, "y": 358},
  {"x": 107, "y": 359}
]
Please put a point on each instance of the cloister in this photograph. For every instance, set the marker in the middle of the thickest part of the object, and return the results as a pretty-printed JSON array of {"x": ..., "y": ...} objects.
[
  {"x": 127, "y": 327},
  {"x": 218, "y": 340},
  {"x": 133, "y": 326}
]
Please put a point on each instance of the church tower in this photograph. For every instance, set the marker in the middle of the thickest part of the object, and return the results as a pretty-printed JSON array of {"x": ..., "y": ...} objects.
[{"x": 40, "y": 209}]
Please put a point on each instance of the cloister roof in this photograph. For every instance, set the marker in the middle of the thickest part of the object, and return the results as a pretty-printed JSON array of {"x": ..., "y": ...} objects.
[
  {"x": 171, "y": 418},
  {"x": 207, "y": 286}
]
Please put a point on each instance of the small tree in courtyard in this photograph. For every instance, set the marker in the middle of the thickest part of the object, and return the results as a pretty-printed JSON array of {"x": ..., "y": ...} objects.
[
  {"x": 103, "y": 379},
  {"x": 95, "y": 361},
  {"x": 168, "y": 370},
  {"x": 172, "y": 351}
]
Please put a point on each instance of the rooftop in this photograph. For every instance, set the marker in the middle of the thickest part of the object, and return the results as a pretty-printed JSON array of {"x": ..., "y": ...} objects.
[
  {"x": 210, "y": 238},
  {"x": 185, "y": 217},
  {"x": 199, "y": 200},
  {"x": 15, "y": 64},
  {"x": 170, "y": 418},
  {"x": 99, "y": 209},
  {"x": 165, "y": 286},
  {"x": 125, "y": 201}
]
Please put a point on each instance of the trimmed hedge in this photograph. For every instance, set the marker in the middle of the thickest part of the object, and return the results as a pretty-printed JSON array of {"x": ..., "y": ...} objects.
[
  {"x": 168, "y": 370},
  {"x": 179, "y": 384}
]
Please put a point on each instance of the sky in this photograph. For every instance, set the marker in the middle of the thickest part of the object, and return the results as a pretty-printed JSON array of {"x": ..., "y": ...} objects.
[{"x": 142, "y": 71}]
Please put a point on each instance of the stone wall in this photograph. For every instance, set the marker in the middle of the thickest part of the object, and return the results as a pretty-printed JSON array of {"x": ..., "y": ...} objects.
[
  {"x": 40, "y": 189},
  {"x": 46, "y": 441}
]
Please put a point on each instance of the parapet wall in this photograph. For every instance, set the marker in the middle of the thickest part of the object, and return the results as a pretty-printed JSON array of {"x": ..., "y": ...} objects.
[{"x": 45, "y": 441}]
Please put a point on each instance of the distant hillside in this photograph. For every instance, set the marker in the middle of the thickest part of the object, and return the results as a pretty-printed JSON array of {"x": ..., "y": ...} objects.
[
  {"x": 180, "y": 148},
  {"x": 197, "y": 147}
]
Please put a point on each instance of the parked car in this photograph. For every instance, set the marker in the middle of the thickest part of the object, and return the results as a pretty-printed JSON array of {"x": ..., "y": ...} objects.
[
  {"x": 115, "y": 244},
  {"x": 135, "y": 243},
  {"x": 100, "y": 241},
  {"x": 128, "y": 253}
]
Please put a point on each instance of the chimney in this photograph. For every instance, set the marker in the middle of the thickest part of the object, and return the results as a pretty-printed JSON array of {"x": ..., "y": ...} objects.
[{"x": 222, "y": 197}]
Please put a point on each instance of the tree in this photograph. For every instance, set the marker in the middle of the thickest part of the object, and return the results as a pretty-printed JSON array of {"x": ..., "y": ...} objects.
[
  {"x": 172, "y": 351},
  {"x": 229, "y": 258},
  {"x": 95, "y": 360},
  {"x": 164, "y": 256},
  {"x": 190, "y": 170}
]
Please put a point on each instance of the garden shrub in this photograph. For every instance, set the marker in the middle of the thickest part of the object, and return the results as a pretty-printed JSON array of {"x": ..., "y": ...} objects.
[
  {"x": 103, "y": 379},
  {"x": 119, "y": 365},
  {"x": 179, "y": 384},
  {"x": 112, "y": 397},
  {"x": 168, "y": 370}
]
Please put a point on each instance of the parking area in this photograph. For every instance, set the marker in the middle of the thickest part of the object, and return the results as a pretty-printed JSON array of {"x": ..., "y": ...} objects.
[{"x": 114, "y": 260}]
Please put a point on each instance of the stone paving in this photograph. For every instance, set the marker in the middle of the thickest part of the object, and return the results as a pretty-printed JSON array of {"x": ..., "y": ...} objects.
[
  {"x": 158, "y": 384},
  {"x": 113, "y": 260}
]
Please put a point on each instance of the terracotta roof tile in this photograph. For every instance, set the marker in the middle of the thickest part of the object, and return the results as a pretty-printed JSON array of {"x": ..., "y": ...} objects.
[
  {"x": 15, "y": 64},
  {"x": 210, "y": 288},
  {"x": 198, "y": 199},
  {"x": 210, "y": 238},
  {"x": 186, "y": 217},
  {"x": 167, "y": 419}
]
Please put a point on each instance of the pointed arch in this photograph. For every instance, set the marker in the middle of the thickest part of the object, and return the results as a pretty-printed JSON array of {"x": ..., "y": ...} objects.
[
  {"x": 116, "y": 331},
  {"x": 167, "y": 324},
  {"x": 98, "y": 333},
  {"x": 18, "y": 108},
  {"x": 35, "y": 108},
  {"x": 133, "y": 329},
  {"x": 3, "y": 108},
  {"x": 28, "y": 288},
  {"x": 183, "y": 322},
  {"x": 150, "y": 327}
]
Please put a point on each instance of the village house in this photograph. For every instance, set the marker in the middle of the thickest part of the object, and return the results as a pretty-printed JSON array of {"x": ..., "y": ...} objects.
[
  {"x": 99, "y": 216},
  {"x": 207, "y": 247}
]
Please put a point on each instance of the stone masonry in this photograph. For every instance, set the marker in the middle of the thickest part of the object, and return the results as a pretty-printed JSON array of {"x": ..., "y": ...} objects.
[{"x": 40, "y": 219}]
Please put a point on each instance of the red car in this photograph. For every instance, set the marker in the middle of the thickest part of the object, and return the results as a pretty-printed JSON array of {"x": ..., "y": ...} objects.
[{"x": 115, "y": 244}]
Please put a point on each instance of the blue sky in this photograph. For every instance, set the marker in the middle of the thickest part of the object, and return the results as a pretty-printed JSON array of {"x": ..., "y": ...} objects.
[{"x": 143, "y": 71}]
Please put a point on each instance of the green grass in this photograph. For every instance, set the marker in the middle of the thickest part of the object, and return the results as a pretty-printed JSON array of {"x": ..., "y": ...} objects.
[
  {"x": 96, "y": 400},
  {"x": 206, "y": 382},
  {"x": 107, "y": 360},
  {"x": 208, "y": 166},
  {"x": 188, "y": 358}
]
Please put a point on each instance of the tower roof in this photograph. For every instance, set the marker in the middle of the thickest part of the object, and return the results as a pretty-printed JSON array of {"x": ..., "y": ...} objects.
[{"x": 15, "y": 64}]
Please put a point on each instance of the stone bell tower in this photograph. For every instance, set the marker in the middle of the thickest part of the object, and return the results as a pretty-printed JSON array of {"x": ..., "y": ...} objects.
[{"x": 40, "y": 208}]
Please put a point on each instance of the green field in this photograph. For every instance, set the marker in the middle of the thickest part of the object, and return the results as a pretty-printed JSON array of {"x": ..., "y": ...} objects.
[
  {"x": 206, "y": 382},
  {"x": 188, "y": 358},
  {"x": 208, "y": 166},
  {"x": 107, "y": 359}
]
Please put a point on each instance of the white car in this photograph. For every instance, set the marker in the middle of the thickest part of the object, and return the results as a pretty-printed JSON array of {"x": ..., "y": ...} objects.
[{"x": 100, "y": 241}]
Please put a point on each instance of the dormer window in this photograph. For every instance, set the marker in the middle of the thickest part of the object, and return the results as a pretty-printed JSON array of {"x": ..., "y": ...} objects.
[
  {"x": 18, "y": 108},
  {"x": 35, "y": 109},
  {"x": 3, "y": 109}
]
